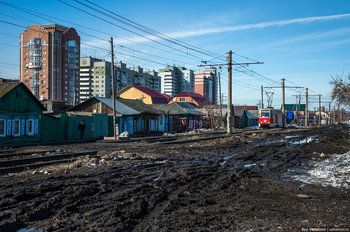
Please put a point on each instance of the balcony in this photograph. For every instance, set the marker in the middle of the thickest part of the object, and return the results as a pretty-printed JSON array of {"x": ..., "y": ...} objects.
[{"x": 34, "y": 65}]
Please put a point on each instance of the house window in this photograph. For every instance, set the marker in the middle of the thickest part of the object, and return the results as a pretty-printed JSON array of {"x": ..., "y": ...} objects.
[
  {"x": 2, "y": 128},
  {"x": 182, "y": 99},
  {"x": 27, "y": 70},
  {"x": 30, "y": 127},
  {"x": 16, "y": 127}
]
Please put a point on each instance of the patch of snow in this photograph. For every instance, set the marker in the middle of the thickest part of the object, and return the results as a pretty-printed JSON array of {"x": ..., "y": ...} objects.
[
  {"x": 334, "y": 171},
  {"x": 125, "y": 134}
]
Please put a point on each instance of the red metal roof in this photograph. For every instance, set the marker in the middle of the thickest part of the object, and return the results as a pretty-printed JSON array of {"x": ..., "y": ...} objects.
[
  {"x": 157, "y": 98},
  {"x": 187, "y": 94},
  {"x": 166, "y": 95}
]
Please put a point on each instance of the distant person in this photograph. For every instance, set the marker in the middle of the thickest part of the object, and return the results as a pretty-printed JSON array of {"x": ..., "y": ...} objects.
[
  {"x": 184, "y": 124},
  {"x": 81, "y": 128}
]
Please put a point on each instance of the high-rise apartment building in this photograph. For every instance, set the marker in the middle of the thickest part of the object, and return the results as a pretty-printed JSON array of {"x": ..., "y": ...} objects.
[
  {"x": 175, "y": 80},
  {"x": 206, "y": 84},
  {"x": 86, "y": 77},
  {"x": 49, "y": 62},
  {"x": 96, "y": 79}
]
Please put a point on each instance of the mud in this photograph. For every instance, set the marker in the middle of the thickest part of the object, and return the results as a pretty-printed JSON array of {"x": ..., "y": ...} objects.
[{"x": 228, "y": 184}]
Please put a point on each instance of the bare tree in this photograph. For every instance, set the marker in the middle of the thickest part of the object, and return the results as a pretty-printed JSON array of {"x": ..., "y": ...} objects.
[{"x": 341, "y": 89}]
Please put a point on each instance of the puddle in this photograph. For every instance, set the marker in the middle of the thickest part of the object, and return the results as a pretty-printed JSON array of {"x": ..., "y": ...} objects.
[
  {"x": 249, "y": 165},
  {"x": 292, "y": 136},
  {"x": 227, "y": 157},
  {"x": 26, "y": 230},
  {"x": 305, "y": 140},
  {"x": 160, "y": 161}
]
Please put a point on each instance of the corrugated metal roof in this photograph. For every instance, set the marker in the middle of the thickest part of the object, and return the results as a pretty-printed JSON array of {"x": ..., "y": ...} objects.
[
  {"x": 6, "y": 87},
  {"x": 119, "y": 106},
  {"x": 140, "y": 106},
  {"x": 177, "y": 109}
]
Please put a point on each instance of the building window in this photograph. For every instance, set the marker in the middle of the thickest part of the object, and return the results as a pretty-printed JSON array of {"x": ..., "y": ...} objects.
[
  {"x": 44, "y": 87},
  {"x": 26, "y": 76},
  {"x": 43, "y": 75},
  {"x": 44, "y": 52},
  {"x": 65, "y": 87},
  {"x": 25, "y": 58},
  {"x": 26, "y": 82},
  {"x": 44, "y": 70},
  {"x": 182, "y": 99},
  {"x": 65, "y": 93},
  {"x": 44, "y": 46},
  {"x": 2, "y": 128},
  {"x": 43, "y": 92},
  {"x": 26, "y": 53},
  {"x": 43, "y": 82},
  {"x": 27, "y": 70},
  {"x": 44, "y": 58}
]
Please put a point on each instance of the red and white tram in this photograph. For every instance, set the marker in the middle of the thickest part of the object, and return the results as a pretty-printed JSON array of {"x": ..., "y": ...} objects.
[{"x": 270, "y": 117}]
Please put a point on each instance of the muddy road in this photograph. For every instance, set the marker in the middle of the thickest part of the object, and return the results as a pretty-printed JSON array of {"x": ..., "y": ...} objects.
[{"x": 244, "y": 182}]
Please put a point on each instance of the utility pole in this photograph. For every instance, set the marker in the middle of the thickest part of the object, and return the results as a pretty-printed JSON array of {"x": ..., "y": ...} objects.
[
  {"x": 262, "y": 97},
  {"x": 113, "y": 93},
  {"x": 229, "y": 87},
  {"x": 329, "y": 116},
  {"x": 283, "y": 98},
  {"x": 319, "y": 110},
  {"x": 283, "y": 103},
  {"x": 306, "y": 108},
  {"x": 220, "y": 95},
  {"x": 229, "y": 93}
]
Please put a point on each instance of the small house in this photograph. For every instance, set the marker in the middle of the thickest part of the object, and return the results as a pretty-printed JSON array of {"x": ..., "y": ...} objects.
[
  {"x": 20, "y": 114},
  {"x": 194, "y": 98},
  {"x": 144, "y": 94}
]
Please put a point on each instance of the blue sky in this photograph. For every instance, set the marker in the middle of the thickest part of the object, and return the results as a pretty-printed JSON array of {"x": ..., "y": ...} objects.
[{"x": 305, "y": 42}]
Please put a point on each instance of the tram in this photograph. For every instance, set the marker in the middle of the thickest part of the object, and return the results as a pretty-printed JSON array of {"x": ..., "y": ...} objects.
[{"x": 270, "y": 117}]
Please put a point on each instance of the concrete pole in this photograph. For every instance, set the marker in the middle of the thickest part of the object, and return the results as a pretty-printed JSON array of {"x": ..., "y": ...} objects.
[
  {"x": 307, "y": 107},
  {"x": 283, "y": 103},
  {"x": 319, "y": 110},
  {"x": 113, "y": 86},
  {"x": 229, "y": 93},
  {"x": 220, "y": 95},
  {"x": 330, "y": 114},
  {"x": 262, "y": 97}
]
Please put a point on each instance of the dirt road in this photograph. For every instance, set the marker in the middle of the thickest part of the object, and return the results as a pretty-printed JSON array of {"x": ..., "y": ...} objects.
[{"x": 238, "y": 183}]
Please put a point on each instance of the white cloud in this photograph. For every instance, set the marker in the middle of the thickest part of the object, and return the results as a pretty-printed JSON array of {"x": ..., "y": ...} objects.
[{"x": 184, "y": 34}]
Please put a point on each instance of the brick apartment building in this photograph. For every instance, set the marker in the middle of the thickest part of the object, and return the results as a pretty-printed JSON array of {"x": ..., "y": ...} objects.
[
  {"x": 205, "y": 84},
  {"x": 49, "y": 62}
]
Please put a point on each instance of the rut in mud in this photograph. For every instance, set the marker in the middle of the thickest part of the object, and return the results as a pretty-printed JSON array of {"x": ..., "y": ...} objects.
[{"x": 229, "y": 184}]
